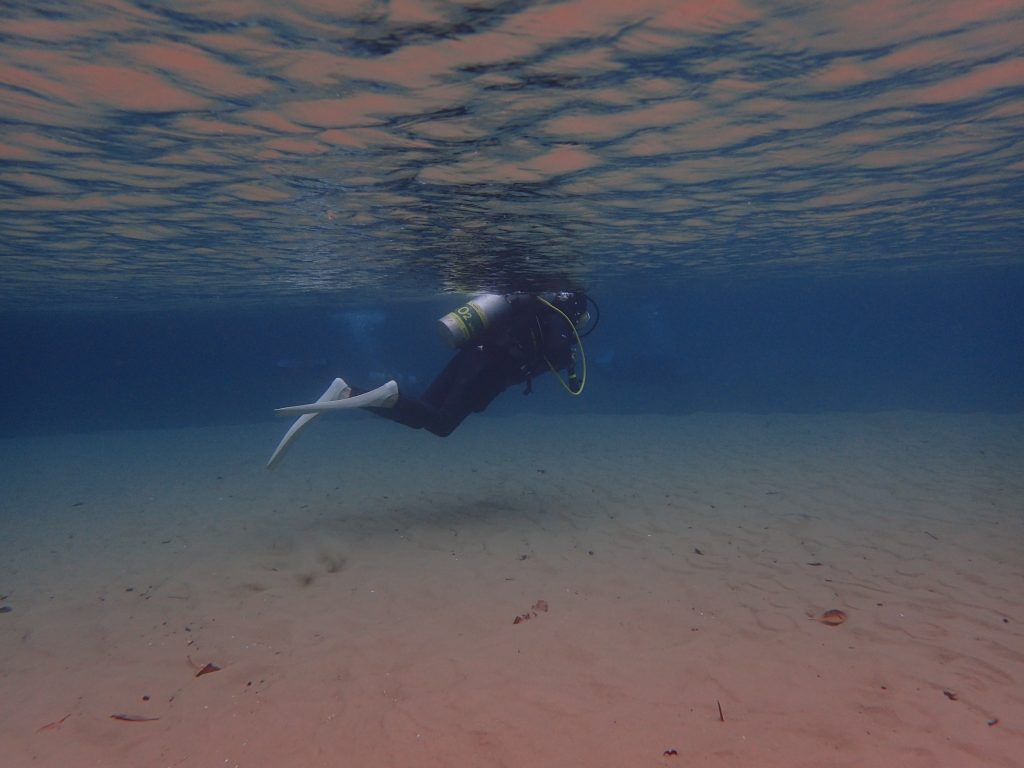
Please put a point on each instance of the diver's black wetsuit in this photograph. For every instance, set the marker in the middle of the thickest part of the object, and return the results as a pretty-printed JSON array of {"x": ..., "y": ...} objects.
[{"x": 517, "y": 348}]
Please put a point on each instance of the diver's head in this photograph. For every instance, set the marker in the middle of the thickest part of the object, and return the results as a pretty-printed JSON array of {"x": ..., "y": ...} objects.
[{"x": 574, "y": 305}]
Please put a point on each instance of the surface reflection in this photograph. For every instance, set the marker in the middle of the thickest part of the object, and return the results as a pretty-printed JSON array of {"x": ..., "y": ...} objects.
[{"x": 172, "y": 152}]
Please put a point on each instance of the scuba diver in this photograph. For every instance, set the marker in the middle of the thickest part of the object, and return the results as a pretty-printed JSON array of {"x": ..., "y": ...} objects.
[{"x": 501, "y": 341}]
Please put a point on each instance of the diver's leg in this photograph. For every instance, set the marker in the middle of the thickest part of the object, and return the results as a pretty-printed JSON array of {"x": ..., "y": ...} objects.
[
  {"x": 421, "y": 413},
  {"x": 464, "y": 386},
  {"x": 413, "y": 412}
]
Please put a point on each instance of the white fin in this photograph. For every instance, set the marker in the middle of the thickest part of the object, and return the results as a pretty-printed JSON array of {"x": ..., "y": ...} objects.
[
  {"x": 383, "y": 396},
  {"x": 338, "y": 390}
]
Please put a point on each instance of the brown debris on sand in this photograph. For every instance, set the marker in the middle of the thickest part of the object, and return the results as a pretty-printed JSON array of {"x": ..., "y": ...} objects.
[
  {"x": 540, "y": 606},
  {"x": 832, "y": 617}
]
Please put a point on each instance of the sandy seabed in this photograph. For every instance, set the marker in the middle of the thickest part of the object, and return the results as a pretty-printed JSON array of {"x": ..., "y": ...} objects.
[{"x": 360, "y": 601}]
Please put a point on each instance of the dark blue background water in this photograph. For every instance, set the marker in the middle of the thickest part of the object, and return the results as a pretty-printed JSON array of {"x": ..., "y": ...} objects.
[{"x": 911, "y": 341}]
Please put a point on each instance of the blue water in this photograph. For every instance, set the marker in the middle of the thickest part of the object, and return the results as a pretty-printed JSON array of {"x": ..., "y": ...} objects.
[
  {"x": 778, "y": 207},
  {"x": 918, "y": 342}
]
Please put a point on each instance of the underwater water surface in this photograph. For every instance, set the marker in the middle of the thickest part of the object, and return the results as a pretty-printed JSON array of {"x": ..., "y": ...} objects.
[{"x": 158, "y": 154}]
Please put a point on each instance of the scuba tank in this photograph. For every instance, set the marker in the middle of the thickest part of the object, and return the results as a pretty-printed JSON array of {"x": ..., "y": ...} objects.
[{"x": 468, "y": 323}]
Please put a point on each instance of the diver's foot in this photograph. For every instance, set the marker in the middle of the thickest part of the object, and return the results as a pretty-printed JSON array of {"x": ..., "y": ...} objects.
[{"x": 389, "y": 395}]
